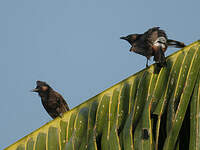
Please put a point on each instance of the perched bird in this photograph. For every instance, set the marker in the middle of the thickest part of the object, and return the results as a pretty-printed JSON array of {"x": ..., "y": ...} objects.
[
  {"x": 153, "y": 42},
  {"x": 52, "y": 101}
]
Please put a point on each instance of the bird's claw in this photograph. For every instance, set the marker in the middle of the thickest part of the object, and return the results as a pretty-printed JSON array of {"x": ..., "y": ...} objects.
[{"x": 61, "y": 115}]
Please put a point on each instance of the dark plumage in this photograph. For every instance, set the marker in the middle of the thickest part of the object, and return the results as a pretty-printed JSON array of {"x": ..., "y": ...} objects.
[
  {"x": 52, "y": 101},
  {"x": 153, "y": 42}
]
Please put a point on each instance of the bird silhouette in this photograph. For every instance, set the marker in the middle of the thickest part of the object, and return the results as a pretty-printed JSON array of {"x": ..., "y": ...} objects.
[
  {"x": 153, "y": 42},
  {"x": 53, "y": 102}
]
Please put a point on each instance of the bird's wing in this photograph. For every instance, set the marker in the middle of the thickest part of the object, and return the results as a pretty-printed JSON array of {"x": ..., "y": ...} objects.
[
  {"x": 153, "y": 34},
  {"x": 151, "y": 30},
  {"x": 61, "y": 102}
]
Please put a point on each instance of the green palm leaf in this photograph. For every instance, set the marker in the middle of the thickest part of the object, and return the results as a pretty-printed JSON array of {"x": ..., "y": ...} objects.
[{"x": 149, "y": 110}]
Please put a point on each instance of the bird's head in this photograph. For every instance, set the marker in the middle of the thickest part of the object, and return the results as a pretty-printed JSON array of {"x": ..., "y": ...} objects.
[
  {"x": 42, "y": 87},
  {"x": 130, "y": 38}
]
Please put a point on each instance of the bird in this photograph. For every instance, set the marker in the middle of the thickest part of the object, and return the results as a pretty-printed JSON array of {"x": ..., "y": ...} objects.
[
  {"x": 52, "y": 101},
  {"x": 154, "y": 42}
]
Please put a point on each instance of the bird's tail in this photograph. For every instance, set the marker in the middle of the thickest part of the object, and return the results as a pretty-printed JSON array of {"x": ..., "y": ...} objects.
[{"x": 176, "y": 44}]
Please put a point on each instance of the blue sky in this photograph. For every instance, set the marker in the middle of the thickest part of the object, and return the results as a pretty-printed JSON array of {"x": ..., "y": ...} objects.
[{"x": 74, "y": 45}]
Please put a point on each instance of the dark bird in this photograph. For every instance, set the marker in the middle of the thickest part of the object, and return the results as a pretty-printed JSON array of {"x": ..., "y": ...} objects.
[
  {"x": 52, "y": 101},
  {"x": 153, "y": 42}
]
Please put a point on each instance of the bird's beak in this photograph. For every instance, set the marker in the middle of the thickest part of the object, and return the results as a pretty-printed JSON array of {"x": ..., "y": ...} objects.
[
  {"x": 124, "y": 38},
  {"x": 34, "y": 90}
]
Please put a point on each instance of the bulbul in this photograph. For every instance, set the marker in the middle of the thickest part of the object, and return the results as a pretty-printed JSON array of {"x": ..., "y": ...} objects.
[
  {"x": 53, "y": 102},
  {"x": 153, "y": 42}
]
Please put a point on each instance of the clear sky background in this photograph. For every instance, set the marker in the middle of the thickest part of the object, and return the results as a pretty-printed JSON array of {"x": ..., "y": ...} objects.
[{"x": 74, "y": 46}]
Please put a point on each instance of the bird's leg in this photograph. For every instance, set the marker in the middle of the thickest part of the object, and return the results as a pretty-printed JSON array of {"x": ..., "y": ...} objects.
[
  {"x": 147, "y": 63},
  {"x": 160, "y": 57}
]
